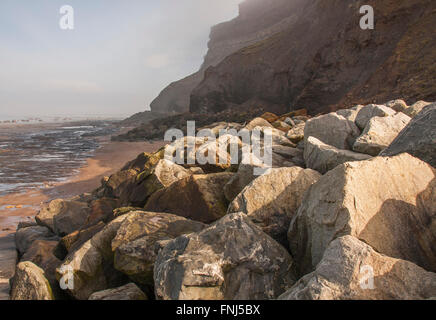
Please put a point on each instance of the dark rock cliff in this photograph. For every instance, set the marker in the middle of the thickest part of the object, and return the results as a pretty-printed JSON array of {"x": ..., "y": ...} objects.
[
  {"x": 321, "y": 59},
  {"x": 257, "y": 21}
]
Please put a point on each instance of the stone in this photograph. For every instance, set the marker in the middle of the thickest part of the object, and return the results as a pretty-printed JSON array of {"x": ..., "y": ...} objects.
[
  {"x": 127, "y": 292},
  {"x": 26, "y": 236},
  {"x": 30, "y": 283},
  {"x": 287, "y": 152},
  {"x": 333, "y": 130},
  {"x": 258, "y": 122},
  {"x": 25, "y": 224},
  {"x": 296, "y": 134},
  {"x": 350, "y": 114},
  {"x": 101, "y": 210},
  {"x": 75, "y": 240},
  {"x": 91, "y": 266},
  {"x": 41, "y": 253},
  {"x": 47, "y": 212},
  {"x": 70, "y": 216},
  {"x": 272, "y": 199},
  {"x": 416, "y": 108},
  {"x": 379, "y": 133},
  {"x": 230, "y": 260},
  {"x": 160, "y": 176},
  {"x": 243, "y": 176},
  {"x": 136, "y": 243},
  {"x": 397, "y": 105},
  {"x": 418, "y": 138},
  {"x": 387, "y": 202},
  {"x": 323, "y": 158},
  {"x": 343, "y": 274},
  {"x": 198, "y": 197},
  {"x": 270, "y": 117},
  {"x": 282, "y": 126},
  {"x": 370, "y": 111}
]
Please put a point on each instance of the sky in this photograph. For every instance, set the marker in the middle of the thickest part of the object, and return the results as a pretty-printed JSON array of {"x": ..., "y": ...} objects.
[{"x": 115, "y": 61}]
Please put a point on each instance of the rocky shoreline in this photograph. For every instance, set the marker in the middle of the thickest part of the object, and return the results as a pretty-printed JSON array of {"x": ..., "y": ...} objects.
[{"x": 347, "y": 211}]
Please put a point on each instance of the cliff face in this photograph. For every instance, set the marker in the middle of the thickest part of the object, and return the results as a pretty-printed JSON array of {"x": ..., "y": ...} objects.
[
  {"x": 258, "y": 20},
  {"x": 316, "y": 55}
]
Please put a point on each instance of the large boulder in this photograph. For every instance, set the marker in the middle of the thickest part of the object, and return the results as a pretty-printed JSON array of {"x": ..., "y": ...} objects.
[
  {"x": 101, "y": 210},
  {"x": 160, "y": 176},
  {"x": 30, "y": 283},
  {"x": 63, "y": 216},
  {"x": 245, "y": 174},
  {"x": 75, "y": 240},
  {"x": 323, "y": 158},
  {"x": 198, "y": 197},
  {"x": 91, "y": 266},
  {"x": 257, "y": 122},
  {"x": 350, "y": 114},
  {"x": 136, "y": 243},
  {"x": 24, "y": 237},
  {"x": 388, "y": 203},
  {"x": 332, "y": 129},
  {"x": 232, "y": 259},
  {"x": 352, "y": 270},
  {"x": 416, "y": 108},
  {"x": 41, "y": 253},
  {"x": 127, "y": 292},
  {"x": 47, "y": 212},
  {"x": 379, "y": 133},
  {"x": 296, "y": 133},
  {"x": 418, "y": 138},
  {"x": 272, "y": 199},
  {"x": 370, "y": 111},
  {"x": 397, "y": 105}
]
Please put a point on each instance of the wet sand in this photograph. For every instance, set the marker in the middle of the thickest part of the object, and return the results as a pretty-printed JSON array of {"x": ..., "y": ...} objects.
[{"x": 109, "y": 158}]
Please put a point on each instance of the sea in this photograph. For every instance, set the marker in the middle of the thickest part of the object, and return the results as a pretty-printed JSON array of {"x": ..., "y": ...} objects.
[{"x": 37, "y": 152}]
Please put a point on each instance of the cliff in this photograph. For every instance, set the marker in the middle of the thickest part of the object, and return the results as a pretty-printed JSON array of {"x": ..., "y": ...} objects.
[
  {"x": 321, "y": 59},
  {"x": 257, "y": 21}
]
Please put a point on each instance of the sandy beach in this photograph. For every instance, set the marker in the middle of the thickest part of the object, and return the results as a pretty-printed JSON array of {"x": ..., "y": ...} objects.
[{"x": 109, "y": 158}]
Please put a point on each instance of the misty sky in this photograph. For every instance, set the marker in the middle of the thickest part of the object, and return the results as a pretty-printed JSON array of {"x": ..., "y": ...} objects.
[{"x": 120, "y": 55}]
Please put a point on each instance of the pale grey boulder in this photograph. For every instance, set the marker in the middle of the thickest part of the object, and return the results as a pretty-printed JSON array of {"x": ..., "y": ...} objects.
[
  {"x": 397, "y": 105},
  {"x": 350, "y": 114},
  {"x": 30, "y": 283},
  {"x": 257, "y": 122},
  {"x": 137, "y": 241},
  {"x": 416, "y": 108},
  {"x": 272, "y": 199},
  {"x": 50, "y": 210},
  {"x": 296, "y": 133},
  {"x": 352, "y": 270},
  {"x": 232, "y": 259},
  {"x": 418, "y": 138},
  {"x": 379, "y": 133},
  {"x": 159, "y": 176},
  {"x": 91, "y": 266},
  {"x": 63, "y": 216},
  {"x": 370, "y": 111},
  {"x": 323, "y": 158},
  {"x": 333, "y": 130},
  {"x": 387, "y": 202},
  {"x": 127, "y": 292}
]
